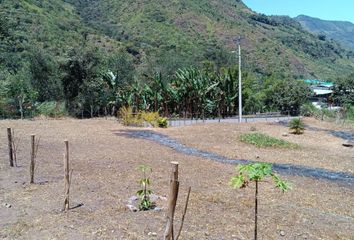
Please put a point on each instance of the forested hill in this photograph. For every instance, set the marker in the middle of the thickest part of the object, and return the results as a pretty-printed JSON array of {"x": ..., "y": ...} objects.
[
  {"x": 340, "y": 31},
  {"x": 166, "y": 35}
]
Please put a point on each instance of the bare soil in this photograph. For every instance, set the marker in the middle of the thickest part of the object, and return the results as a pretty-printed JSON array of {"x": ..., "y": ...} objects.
[{"x": 105, "y": 175}]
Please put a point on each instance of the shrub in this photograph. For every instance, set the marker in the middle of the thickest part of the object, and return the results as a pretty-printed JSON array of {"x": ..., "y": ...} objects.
[
  {"x": 262, "y": 140},
  {"x": 150, "y": 117},
  {"x": 296, "y": 126},
  {"x": 309, "y": 110},
  {"x": 51, "y": 109},
  {"x": 128, "y": 118},
  {"x": 162, "y": 122}
]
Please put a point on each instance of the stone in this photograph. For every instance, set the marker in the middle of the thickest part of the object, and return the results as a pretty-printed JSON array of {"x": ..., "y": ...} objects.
[
  {"x": 157, "y": 209},
  {"x": 7, "y": 205},
  {"x": 348, "y": 144},
  {"x": 152, "y": 234},
  {"x": 132, "y": 208},
  {"x": 285, "y": 134}
]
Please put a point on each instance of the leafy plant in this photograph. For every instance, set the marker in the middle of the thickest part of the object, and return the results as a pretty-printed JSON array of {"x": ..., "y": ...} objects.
[
  {"x": 262, "y": 140},
  {"x": 162, "y": 122},
  {"x": 296, "y": 126},
  {"x": 144, "y": 193},
  {"x": 150, "y": 117},
  {"x": 256, "y": 172},
  {"x": 128, "y": 118}
]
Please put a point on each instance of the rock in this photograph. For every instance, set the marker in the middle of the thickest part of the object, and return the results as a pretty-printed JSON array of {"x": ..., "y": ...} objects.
[
  {"x": 282, "y": 233},
  {"x": 348, "y": 144},
  {"x": 7, "y": 205},
  {"x": 285, "y": 134},
  {"x": 157, "y": 209},
  {"x": 132, "y": 208},
  {"x": 152, "y": 234}
]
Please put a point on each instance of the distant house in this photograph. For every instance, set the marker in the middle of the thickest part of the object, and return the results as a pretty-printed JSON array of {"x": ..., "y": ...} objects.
[{"x": 322, "y": 93}]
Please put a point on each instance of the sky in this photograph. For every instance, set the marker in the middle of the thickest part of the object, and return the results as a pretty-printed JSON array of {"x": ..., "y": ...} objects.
[{"x": 342, "y": 10}]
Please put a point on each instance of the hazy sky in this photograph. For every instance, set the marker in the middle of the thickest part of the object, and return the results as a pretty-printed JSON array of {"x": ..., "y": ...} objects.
[{"x": 342, "y": 10}]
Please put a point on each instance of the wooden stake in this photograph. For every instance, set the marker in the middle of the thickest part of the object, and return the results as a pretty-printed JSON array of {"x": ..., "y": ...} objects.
[
  {"x": 184, "y": 213},
  {"x": 66, "y": 176},
  {"x": 33, "y": 153},
  {"x": 9, "y": 137},
  {"x": 172, "y": 200}
]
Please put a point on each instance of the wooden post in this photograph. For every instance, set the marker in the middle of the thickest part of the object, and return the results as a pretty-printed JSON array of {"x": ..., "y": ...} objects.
[
  {"x": 11, "y": 155},
  {"x": 256, "y": 211},
  {"x": 66, "y": 176},
  {"x": 172, "y": 200},
  {"x": 33, "y": 152}
]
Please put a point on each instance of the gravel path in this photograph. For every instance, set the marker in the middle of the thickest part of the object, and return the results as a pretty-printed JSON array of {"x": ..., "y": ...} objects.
[{"x": 288, "y": 169}]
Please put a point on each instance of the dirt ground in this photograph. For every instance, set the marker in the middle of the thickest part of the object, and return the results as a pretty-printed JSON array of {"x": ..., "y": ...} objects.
[{"x": 105, "y": 175}]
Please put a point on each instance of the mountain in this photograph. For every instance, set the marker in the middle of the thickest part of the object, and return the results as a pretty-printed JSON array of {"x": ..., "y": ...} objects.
[
  {"x": 341, "y": 31},
  {"x": 168, "y": 34}
]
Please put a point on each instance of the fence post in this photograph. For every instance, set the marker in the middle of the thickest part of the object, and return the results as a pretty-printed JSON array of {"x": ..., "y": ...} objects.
[
  {"x": 172, "y": 200},
  {"x": 11, "y": 155},
  {"x": 66, "y": 176},
  {"x": 33, "y": 150}
]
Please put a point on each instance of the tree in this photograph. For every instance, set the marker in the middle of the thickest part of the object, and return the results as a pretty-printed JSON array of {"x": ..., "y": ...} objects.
[
  {"x": 288, "y": 96},
  {"x": 256, "y": 172},
  {"x": 344, "y": 90},
  {"x": 44, "y": 71},
  {"x": 20, "y": 90},
  {"x": 83, "y": 77}
]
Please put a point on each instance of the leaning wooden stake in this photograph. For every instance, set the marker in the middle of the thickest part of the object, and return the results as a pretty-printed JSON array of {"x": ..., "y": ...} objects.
[
  {"x": 184, "y": 213},
  {"x": 172, "y": 200},
  {"x": 33, "y": 153},
  {"x": 66, "y": 176},
  {"x": 10, "y": 144}
]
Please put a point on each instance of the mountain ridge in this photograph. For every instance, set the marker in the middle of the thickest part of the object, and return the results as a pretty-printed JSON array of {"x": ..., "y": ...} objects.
[{"x": 341, "y": 31}]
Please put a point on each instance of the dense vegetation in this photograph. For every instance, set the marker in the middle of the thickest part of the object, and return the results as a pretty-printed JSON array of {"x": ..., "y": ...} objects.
[{"x": 90, "y": 58}]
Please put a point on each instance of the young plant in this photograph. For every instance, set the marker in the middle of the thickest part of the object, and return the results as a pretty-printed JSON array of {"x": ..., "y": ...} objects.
[
  {"x": 144, "y": 193},
  {"x": 296, "y": 126},
  {"x": 256, "y": 172}
]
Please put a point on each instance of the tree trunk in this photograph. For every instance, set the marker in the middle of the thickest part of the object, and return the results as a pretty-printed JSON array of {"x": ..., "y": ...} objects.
[{"x": 21, "y": 108}]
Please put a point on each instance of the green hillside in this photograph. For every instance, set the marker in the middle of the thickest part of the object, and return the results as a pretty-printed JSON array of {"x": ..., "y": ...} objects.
[
  {"x": 169, "y": 34},
  {"x": 187, "y": 32},
  {"x": 340, "y": 31}
]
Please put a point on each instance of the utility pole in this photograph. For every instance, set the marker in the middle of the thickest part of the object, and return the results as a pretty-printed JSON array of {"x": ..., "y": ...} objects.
[{"x": 239, "y": 82}]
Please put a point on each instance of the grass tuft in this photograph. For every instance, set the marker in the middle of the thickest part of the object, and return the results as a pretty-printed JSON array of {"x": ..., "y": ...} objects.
[{"x": 262, "y": 140}]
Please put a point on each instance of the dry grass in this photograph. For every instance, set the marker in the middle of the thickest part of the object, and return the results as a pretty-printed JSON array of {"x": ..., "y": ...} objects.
[{"x": 105, "y": 176}]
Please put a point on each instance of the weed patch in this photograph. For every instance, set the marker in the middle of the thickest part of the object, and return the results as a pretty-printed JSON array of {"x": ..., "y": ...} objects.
[{"x": 262, "y": 140}]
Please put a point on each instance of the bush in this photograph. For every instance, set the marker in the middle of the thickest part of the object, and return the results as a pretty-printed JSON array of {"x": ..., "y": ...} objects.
[
  {"x": 151, "y": 118},
  {"x": 162, "y": 122},
  {"x": 128, "y": 118},
  {"x": 309, "y": 110},
  {"x": 51, "y": 109},
  {"x": 296, "y": 126}
]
